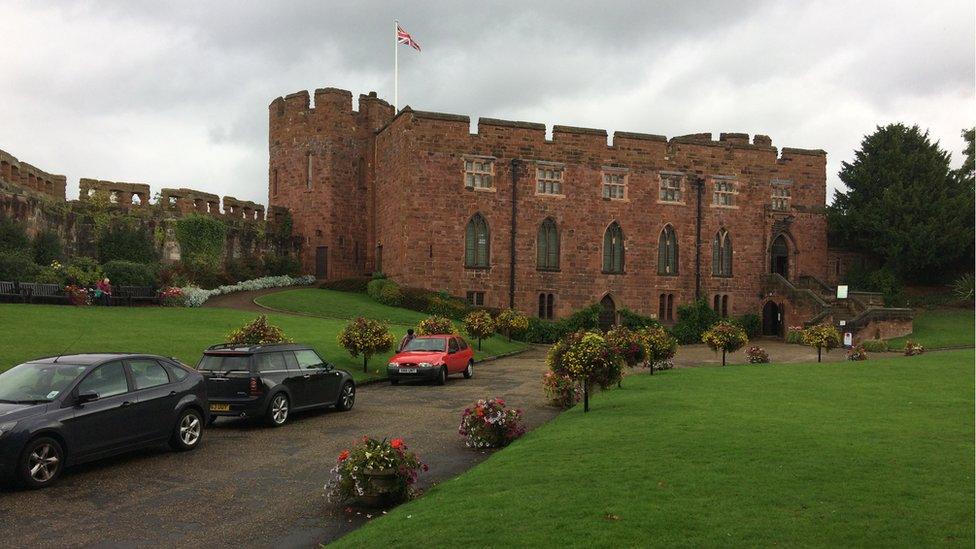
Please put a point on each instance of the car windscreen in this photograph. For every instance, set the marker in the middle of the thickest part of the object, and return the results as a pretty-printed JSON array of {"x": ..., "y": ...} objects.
[
  {"x": 37, "y": 382},
  {"x": 225, "y": 363},
  {"x": 425, "y": 344}
]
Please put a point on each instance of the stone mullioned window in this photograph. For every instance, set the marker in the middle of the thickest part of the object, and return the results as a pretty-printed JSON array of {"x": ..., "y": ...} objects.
[
  {"x": 549, "y": 180},
  {"x": 724, "y": 192},
  {"x": 671, "y": 188},
  {"x": 615, "y": 185},
  {"x": 479, "y": 172},
  {"x": 781, "y": 194}
]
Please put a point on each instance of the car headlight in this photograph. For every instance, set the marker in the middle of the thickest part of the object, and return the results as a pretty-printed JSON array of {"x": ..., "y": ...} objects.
[
  {"x": 7, "y": 427},
  {"x": 425, "y": 365},
  {"x": 392, "y": 365}
]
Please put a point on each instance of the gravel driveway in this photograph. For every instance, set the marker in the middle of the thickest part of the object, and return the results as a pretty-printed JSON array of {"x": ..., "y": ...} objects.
[{"x": 248, "y": 485}]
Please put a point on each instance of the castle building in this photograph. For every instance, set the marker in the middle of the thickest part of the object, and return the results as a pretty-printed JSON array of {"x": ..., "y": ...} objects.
[{"x": 507, "y": 217}]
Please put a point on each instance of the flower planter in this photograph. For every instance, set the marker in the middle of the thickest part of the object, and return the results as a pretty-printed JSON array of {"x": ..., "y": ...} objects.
[{"x": 381, "y": 486}]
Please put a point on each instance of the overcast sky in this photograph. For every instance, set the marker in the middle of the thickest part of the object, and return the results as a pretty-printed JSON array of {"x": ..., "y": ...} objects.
[{"x": 176, "y": 94}]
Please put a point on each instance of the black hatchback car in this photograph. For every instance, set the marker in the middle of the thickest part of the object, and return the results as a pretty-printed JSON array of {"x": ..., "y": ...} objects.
[
  {"x": 59, "y": 411},
  {"x": 271, "y": 381}
]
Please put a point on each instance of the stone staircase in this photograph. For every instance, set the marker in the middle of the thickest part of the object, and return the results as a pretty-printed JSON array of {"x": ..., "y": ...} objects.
[{"x": 859, "y": 312}]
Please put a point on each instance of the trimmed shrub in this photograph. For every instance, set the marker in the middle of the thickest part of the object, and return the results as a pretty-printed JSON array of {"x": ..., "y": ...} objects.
[
  {"x": 541, "y": 331},
  {"x": 391, "y": 295},
  {"x": 752, "y": 324},
  {"x": 47, "y": 247},
  {"x": 246, "y": 268},
  {"x": 634, "y": 321},
  {"x": 257, "y": 332},
  {"x": 693, "y": 320},
  {"x": 17, "y": 267},
  {"x": 794, "y": 335},
  {"x": 583, "y": 319},
  {"x": 128, "y": 273},
  {"x": 375, "y": 288},
  {"x": 875, "y": 345},
  {"x": 281, "y": 265},
  {"x": 415, "y": 299},
  {"x": 355, "y": 285},
  {"x": 433, "y": 325},
  {"x": 446, "y": 305}
]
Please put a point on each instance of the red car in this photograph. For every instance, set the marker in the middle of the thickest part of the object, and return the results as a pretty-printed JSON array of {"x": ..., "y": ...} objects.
[{"x": 432, "y": 357}]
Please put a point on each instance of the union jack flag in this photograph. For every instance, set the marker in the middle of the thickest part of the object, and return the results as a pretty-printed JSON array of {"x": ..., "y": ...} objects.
[{"x": 403, "y": 37}]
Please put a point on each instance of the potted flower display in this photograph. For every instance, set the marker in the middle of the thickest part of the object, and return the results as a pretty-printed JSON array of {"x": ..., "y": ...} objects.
[
  {"x": 913, "y": 348},
  {"x": 375, "y": 473},
  {"x": 757, "y": 355},
  {"x": 661, "y": 347},
  {"x": 488, "y": 424},
  {"x": 857, "y": 353}
]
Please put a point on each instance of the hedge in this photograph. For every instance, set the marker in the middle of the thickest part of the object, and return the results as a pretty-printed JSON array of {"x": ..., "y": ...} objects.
[{"x": 129, "y": 273}]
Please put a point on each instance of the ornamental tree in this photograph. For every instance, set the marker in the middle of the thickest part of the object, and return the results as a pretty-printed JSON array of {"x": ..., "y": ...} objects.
[
  {"x": 434, "y": 325},
  {"x": 589, "y": 359},
  {"x": 479, "y": 325},
  {"x": 257, "y": 332},
  {"x": 365, "y": 336},
  {"x": 628, "y": 346},
  {"x": 660, "y": 344},
  {"x": 821, "y": 336},
  {"x": 511, "y": 321},
  {"x": 725, "y": 336}
]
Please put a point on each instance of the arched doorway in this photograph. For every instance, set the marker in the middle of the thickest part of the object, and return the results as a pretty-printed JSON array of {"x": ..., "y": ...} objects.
[
  {"x": 608, "y": 313},
  {"x": 780, "y": 257},
  {"x": 772, "y": 319}
]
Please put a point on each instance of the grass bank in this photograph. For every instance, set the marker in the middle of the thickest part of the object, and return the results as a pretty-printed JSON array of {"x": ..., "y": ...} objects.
[
  {"x": 30, "y": 331},
  {"x": 936, "y": 328},
  {"x": 875, "y": 453}
]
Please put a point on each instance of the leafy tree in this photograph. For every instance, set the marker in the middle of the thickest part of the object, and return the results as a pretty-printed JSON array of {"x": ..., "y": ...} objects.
[
  {"x": 693, "y": 320},
  {"x": 479, "y": 325},
  {"x": 435, "y": 325},
  {"x": 47, "y": 247},
  {"x": 589, "y": 358},
  {"x": 661, "y": 346},
  {"x": 904, "y": 205},
  {"x": 725, "y": 336},
  {"x": 821, "y": 336},
  {"x": 365, "y": 336}
]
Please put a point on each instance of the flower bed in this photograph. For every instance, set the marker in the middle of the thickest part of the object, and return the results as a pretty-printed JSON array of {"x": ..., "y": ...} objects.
[
  {"x": 488, "y": 424},
  {"x": 757, "y": 355},
  {"x": 376, "y": 472},
  {"x": 857, "y": 353},
  {"x": 913, "y": 348},
  {"x": 195, "y": 297}
]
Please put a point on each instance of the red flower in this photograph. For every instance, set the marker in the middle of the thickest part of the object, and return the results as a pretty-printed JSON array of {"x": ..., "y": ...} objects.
[
  {"x": 397, "y": 443},
  {"x": 344, "y": 455}
]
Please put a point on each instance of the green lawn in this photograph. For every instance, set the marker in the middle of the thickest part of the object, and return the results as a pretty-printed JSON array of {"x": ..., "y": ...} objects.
[
  {"x": 335, "y": 304},
  {"x": 30, "y": 331},
  {"x": 940, "y": 328},
  {"x": 876, "y": 453}
]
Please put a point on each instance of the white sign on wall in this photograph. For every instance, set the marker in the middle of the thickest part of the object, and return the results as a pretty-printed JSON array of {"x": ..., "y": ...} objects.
[
  {"x": 848, "y": 339},
  {"x": 842, "y": 292}
]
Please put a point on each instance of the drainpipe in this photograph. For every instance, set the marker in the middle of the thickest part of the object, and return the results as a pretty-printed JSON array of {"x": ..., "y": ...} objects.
[
  {"x": 700, "y": 189},
  {"x": 511, "y": 266}
]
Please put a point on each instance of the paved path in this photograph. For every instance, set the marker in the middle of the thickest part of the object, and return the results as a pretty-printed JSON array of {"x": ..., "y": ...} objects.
[
  {"x": 244, "y": 301},
  {"x": 249, "y": 485}
]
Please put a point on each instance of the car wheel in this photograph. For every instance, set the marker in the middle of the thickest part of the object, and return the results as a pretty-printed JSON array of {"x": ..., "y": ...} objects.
[
  {"x": 347, "y": 397},
  {"x": 469, "y": 371},
  {"x": 188, "y": 431},
  {"x": 41, "y": 463},
  {"x": 278, "y": 410},
  {"x": 442, "y": 378}
]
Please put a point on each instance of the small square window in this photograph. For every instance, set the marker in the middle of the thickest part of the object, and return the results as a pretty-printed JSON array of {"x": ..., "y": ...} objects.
[
  {"x": 724, "y": 193},
  {"x": 478, "y": 174},
  {"x": 549, "y": 180},
  {"x": 781, "y": 194},
  {"x": 670, "y": 188},
  {"x": 615, "y": 186},
  {"x": 476, "y": 299}
]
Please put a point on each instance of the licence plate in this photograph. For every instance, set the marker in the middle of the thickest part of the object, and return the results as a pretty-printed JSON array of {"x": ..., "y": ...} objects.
[
  {"x": 408, "y": 370},
  {"x": 220, "y": 407}
]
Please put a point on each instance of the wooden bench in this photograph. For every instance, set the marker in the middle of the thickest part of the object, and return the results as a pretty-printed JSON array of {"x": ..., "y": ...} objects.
[
  {"x": 35, "y": 292},
  {"x": 131, "y": 295},
  {"x": 10, "y": 292}
]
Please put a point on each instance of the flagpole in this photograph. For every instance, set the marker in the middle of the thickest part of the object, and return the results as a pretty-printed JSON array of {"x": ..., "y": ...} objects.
[{"x": 396, "y": 67}]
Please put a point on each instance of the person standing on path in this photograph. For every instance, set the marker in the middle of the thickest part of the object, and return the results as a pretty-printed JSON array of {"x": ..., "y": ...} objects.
[{"x": 406, "y": 339}]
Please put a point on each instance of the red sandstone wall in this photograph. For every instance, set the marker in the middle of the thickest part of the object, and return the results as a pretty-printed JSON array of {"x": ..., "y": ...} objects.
[{"x": 419, "y": 181}]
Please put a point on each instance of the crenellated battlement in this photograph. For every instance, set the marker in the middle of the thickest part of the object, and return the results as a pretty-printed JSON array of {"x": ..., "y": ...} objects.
[{"x": 21, "y": 173}]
